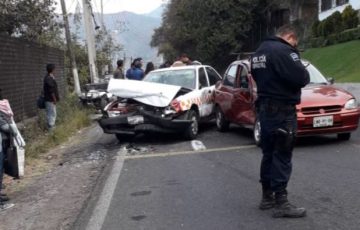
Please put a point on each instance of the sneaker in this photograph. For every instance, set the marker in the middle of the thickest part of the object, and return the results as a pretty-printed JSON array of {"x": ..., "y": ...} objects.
[
  {"x": 288, "y": 210},
  {"x": 4, "y": 206}
]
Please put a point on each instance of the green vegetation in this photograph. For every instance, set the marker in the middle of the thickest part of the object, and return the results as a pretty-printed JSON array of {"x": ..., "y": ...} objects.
[
  {"x": 338, "y": 61},
  {"x": 71, "y": 117}
]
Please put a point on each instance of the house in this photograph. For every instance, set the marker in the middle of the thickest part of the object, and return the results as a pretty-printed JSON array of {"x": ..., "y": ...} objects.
[{"x": 328, "y": 7}]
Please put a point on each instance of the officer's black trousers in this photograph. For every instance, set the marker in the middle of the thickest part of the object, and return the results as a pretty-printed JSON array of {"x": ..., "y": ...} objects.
[{"x": 278, "y": 130}]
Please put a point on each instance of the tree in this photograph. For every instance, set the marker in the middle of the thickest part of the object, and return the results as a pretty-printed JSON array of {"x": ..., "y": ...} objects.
[
  {"x": 105, "y": 49},
  {"x": 34, "y": 20},
  {"x": 208, "y": 31},
  {"x": 350, "y": 18}
]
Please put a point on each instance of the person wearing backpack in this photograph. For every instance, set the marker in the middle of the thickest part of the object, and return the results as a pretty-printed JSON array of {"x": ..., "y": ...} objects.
[{"x": 51, "y": 96}]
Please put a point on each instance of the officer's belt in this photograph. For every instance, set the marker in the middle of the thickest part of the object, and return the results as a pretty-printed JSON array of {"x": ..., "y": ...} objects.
[{"x": 276, "y": 106}]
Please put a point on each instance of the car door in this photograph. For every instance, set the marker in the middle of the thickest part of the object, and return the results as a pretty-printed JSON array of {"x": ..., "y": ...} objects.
[
  {"x": 213, "y": 78},
  {"x": 224, "y": 94},
  {"x": 205, "y": 104},
  {"x": 242, "y": 103}
]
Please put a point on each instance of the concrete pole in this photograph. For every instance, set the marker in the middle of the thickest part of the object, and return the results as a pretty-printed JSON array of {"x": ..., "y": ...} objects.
[
  {"x": 102, "y": 14},
  {"x": 90, "y": 41},
  {"x": 77, "y": 89}
]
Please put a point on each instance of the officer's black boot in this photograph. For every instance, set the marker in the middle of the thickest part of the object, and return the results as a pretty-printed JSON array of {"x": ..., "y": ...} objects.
[
  {"x": 283, "y": 208},
  {"x": 268, "y": 200}
]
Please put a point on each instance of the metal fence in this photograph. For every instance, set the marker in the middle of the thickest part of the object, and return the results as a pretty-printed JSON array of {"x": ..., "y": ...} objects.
[{"x": 22, "y": 69}]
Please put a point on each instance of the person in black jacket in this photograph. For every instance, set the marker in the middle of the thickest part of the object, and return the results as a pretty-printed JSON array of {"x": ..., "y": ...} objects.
[
  {"x": 279, "y": 75},
  {"x": 51, "y": 95},
  {"x": 5, "y": 129}
]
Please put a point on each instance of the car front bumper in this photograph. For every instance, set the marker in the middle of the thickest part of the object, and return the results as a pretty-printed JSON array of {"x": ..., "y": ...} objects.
[
  {"x": 344, "y": 122},
  {"x": 142, "y": 122}
]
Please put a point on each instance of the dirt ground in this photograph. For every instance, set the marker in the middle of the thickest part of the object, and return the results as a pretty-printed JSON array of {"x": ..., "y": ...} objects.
[{"x": 57, "y": 186}]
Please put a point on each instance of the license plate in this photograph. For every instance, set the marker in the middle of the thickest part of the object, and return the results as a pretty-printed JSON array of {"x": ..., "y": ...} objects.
[
  {"x": 323, "y": 121},
  {"x": 134, "y": 120}
]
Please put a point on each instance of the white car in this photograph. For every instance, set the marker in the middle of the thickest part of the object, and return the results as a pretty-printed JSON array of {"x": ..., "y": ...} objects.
[{"x": 167, "y": 100}]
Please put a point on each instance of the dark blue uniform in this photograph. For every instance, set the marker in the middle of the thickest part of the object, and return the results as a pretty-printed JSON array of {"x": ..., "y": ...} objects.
[{"x": 279, "y": 75}]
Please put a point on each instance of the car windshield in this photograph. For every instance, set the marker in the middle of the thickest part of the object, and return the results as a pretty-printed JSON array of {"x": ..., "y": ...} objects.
[
  {"x": 315, "y": 76},
  {"x": 184, "y": 77}
]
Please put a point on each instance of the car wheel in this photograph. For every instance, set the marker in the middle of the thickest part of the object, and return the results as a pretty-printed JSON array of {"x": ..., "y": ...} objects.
[
  {"x": 221, "y": 123},
  {"x": 124, "y": 137},
  {"x": 257, "y": 132},
  {"x": 344, "y": 136},
  {"x": 192, "y": 131}
]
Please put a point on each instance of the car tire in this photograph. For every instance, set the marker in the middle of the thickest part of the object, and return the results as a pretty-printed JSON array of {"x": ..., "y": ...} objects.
[
  {"x": 222, "y": 124},
  {"x": 192, "y": 131},
  {"x": 343, "y": 136},
  {"x": 257, "y": 132},
  {"x": 124, "y": 137}
]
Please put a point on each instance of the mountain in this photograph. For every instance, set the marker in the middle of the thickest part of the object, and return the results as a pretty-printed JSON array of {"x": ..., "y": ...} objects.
[{"x": 132, "y": 31}]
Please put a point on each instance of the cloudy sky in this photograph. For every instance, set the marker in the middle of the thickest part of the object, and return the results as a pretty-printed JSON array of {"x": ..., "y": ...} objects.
[{"x": 114, "y": 6}]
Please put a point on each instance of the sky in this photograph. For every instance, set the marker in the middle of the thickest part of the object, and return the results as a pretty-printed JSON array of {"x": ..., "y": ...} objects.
[{"x": 114, "y": 6}]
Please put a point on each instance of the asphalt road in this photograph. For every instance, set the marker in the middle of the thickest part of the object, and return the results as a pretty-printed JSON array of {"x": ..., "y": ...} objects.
[{"x": 159, "y": 182}]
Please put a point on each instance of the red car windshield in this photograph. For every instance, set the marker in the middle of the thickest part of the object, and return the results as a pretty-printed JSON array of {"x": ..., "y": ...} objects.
[{"x": 315, "y": 75}]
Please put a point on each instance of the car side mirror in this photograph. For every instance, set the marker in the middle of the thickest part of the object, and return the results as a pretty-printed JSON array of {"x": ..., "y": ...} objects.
[{"x": 331, "y": 80}]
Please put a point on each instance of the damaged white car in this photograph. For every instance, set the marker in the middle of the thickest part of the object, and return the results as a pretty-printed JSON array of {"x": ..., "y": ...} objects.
[{"x": 169, "y": 100}]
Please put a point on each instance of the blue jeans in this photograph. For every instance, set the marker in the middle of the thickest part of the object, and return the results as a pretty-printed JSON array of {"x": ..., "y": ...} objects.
[
  {"x": 278, "y": 132},
  {"x": 50, "y": 108}
]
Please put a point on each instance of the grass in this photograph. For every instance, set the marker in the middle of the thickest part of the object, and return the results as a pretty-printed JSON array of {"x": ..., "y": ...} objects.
[
  {"x": 341, "y": 61},
  {"x": 71, "y": 117}
]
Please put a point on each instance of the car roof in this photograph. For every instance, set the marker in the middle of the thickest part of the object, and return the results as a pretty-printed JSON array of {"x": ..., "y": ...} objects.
[
  {"x": 194, "y": 67},
  {"x": 247, "y": 62}
]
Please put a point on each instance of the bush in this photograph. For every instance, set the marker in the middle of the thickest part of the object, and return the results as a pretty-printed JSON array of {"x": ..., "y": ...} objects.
[
  {"x": 71, "y": 117},
  {"x": 349, "y": 35}
]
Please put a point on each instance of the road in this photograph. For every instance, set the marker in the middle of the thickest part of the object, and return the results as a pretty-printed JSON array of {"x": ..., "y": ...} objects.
[{"x": 160, "y": 182}]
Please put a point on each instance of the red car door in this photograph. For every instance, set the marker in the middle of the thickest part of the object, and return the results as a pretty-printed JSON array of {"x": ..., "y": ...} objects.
[
  {"x": 225, "y": 93},
  {"x": 242, "y": 103}
]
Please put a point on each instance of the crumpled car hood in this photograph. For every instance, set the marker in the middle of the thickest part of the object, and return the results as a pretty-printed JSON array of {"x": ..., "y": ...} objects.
[{"x": 150, "y": 93}]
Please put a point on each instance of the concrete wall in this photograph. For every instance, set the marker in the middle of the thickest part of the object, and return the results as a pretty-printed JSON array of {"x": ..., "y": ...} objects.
[{"x": 22, "y": 68}]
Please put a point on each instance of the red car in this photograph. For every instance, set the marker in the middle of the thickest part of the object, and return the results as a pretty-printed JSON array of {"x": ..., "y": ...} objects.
[{"x": 324, "y": 109}]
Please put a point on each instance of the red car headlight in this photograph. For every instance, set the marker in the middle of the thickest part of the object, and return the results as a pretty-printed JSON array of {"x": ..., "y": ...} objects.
[{"x": 351, "y": 104}]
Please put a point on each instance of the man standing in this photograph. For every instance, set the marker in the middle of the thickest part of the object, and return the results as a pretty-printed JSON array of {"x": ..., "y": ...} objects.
[
  {"x": 51, "y": 96},
  {"x": 279, "y": 75},
  {"x": 119, "y": 72},
  {"x": 135, "y": 72}
]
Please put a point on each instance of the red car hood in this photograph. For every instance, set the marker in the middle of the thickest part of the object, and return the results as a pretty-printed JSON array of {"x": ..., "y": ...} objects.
[{"x": 323, "y": 95}]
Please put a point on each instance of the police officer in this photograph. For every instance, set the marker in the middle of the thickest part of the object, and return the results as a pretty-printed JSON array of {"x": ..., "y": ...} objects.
[{"x": 279, "y": 75}]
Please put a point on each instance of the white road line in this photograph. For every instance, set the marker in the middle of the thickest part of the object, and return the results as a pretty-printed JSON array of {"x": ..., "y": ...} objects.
[
  {"x": 102, "y": 206},
  {"x": 197, "y": 145},
  {"x": 190, "y": 152}
]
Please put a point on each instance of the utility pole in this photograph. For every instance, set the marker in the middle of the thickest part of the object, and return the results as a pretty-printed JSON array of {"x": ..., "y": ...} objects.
[
  {"x": 102, "y": 14},
  {"x": 70, "y": 52},
  {"x": 90, "y": 41}
]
